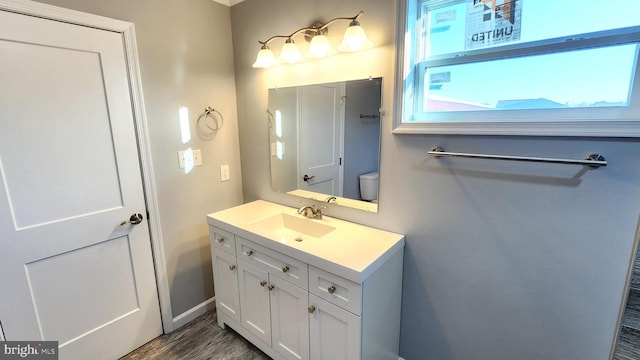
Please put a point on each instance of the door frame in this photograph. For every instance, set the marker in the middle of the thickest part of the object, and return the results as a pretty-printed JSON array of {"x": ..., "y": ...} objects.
[{"x": 127, "y": 31}]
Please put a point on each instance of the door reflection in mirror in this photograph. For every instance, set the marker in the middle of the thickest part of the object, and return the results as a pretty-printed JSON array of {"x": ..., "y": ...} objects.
[{"x": 330, "y": 135}]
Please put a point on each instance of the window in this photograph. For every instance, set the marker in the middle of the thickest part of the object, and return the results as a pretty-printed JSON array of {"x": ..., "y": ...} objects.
[{"x": 520, "y": 67}]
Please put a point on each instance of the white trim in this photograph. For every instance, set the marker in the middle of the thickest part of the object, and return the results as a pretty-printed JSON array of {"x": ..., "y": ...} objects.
[
  {"x": 589, "y": 129},
  {"x": 194, "y": 312},
  {"x": 148, "y": 178},
  {"x": 127, "y": 30},
  {"x": 586, "y": 122},
  {"x": 228, "y": 2}
]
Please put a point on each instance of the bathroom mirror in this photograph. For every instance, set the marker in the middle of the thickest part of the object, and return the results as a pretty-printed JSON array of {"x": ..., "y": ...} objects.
[{"x": 325, "y": 142}]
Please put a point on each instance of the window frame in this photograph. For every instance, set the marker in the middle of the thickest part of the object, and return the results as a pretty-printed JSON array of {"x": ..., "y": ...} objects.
[{"x": 614, "y": 121}]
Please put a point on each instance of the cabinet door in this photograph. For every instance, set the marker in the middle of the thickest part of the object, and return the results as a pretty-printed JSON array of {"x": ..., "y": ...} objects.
[
  {"x": 289, "y": 319},
  {"x": 334, "y": 332},
  {"x": 225, "y": 277},
  {"x": 255, "y": 311}
]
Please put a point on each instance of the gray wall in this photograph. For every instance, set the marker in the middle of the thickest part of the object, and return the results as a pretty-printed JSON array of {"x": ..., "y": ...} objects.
[
  {"x": 186, "y": 60},
  {"x": 503, "y": 260}
]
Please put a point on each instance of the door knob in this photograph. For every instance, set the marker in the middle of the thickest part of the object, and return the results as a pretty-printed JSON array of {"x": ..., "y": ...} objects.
[
  {"x": 135, "y": 219},
  {"x": 307, "y": 177}
]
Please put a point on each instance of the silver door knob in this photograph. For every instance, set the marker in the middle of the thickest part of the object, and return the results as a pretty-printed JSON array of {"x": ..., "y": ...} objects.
[{"x": 135, "y": 219}]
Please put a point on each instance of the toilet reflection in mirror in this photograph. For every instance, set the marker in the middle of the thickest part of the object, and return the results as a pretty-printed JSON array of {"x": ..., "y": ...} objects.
[{"x": 325, "y": 142}]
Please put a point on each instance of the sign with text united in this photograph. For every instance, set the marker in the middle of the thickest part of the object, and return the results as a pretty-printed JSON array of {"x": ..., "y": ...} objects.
[{"x": 492, "y": 22}]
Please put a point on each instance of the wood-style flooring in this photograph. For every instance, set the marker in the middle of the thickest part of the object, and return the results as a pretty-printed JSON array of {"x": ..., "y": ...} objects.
[
  {"x": 628, "y": 345},
  {"x": 200, "y": 339}
]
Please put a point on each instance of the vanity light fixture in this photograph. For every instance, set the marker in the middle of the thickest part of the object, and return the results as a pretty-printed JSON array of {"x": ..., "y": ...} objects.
[{"x": 354, "y": 39}]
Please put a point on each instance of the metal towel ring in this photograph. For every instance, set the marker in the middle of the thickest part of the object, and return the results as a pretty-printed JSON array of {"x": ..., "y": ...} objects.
[{"x": 210, "y": 112}]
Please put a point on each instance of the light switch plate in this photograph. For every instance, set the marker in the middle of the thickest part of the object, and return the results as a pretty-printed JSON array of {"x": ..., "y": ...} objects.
[
  {"x": 224, "y": 173},
  {"x": 197, "y": 158},
  {"x": 189, "y": 158}
]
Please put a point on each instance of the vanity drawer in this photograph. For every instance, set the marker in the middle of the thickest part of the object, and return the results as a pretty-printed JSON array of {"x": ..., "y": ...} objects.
[
  {"x": 222, "y": 240},
  {"x": 336, "y": 290},
  {"x": 280, "y": 265}
]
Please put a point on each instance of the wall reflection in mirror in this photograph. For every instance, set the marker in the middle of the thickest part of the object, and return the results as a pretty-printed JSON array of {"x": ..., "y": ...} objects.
[{"x": 325, "y": 142}]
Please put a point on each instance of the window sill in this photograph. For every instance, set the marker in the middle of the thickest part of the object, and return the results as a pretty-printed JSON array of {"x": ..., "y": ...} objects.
[{"x": 629, "y": 129}]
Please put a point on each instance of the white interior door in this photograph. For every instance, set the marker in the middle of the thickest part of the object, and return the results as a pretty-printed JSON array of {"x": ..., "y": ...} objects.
[
  {"x": 70, "y": 174},
  {"x": 321, "y": 118}
]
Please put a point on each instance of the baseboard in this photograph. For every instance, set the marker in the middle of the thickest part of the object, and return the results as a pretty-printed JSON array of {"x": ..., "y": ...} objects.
[{"x": 194, "y": 312}]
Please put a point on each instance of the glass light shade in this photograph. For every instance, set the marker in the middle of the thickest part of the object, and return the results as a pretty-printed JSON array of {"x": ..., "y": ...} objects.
[
  {"x": 265, "y": 58},
  {"x": 355, "y": 39},
  {"x": 320, "y": 47},
  {"x": 290, "y": 53}
]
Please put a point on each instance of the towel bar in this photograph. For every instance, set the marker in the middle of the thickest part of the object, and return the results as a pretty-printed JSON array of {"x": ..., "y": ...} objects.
[{"x": 593, "y": 160}]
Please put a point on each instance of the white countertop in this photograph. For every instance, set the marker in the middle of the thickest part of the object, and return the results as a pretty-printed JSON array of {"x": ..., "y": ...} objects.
[{"x": 352, "y": 251}]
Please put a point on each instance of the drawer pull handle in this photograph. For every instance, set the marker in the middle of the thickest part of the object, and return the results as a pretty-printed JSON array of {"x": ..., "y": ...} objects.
[
  {"x": 249, "y": 253},
  {"x": 232, "y": 267},
  {"x": 271, "y": 287},
  {"x": 311, "y": 309},
  {"x": 285, "y": 269},
  {"x": 220, "y": 240},
  {"x": 331, "y": 289},
  {"x": 263, "y": 283}
]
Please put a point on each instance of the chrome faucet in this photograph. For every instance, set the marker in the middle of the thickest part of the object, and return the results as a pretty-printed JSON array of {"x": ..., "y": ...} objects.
[
  {"x": 310, "y": 211},
  {"x": 330, "y": 199}
]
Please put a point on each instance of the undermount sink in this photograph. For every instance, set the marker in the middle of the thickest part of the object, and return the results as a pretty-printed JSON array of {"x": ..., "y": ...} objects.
[{"x": 285, "y": 225}]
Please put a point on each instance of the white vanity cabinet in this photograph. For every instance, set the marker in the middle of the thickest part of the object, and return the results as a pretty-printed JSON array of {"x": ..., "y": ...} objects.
[
  {"x": 225, "y": 273},
  {"x": 274, "y": 299},
  {"x": 333, "y": 298},
  {"x": 334, "y": 332}
]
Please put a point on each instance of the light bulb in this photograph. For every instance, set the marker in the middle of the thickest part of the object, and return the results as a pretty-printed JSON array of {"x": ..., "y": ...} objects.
[
  {"x": 290, "y": 53},
  {"x": 355, "y": 39},
  {"x": 265, "y": 58},
  {"x": 320, "y": 47}
]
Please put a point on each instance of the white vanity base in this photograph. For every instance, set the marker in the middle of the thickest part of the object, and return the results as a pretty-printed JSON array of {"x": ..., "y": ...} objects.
[
  {"x": 294, "y": 304},
  {"x": 379, "y": 324}
]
